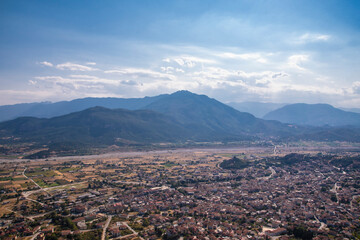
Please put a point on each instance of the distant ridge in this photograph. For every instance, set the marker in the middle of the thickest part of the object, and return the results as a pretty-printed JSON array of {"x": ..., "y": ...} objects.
[
  {"x": 48, "y": 110},
  {"x": 314, "y": 115},
  {"x": 355, "y": 110}
]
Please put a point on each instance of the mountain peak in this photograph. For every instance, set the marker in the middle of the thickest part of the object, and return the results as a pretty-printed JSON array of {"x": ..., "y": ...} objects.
[
  {"x": 314, "y": 115},
  {"x": 184, "y": 93},
  {"x": 201, "y": 112}
]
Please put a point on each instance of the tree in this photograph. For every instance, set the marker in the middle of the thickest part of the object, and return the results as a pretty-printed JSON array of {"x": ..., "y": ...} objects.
[
  {"x": 301, "y": 232},
  {"x": 146, "y": 222}
]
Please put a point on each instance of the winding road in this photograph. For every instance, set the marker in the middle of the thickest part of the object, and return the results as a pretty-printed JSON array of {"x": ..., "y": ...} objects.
[
  {"x": 273, "y": 172},
  {"x": 322, "y": 225}
]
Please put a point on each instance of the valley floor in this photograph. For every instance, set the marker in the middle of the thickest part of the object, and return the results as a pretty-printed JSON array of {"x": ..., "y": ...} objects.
[{"x": 284, "y": 191}]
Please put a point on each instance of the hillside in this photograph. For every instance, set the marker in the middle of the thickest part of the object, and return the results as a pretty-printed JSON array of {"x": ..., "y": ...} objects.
[
  {"x": 213, "y": 117},
  {"x": 98, "y": 126},
  {"x": 314, "y": 115}
]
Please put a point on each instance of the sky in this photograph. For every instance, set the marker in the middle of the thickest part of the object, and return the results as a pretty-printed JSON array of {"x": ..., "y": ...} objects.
[{"x": 235, "y": 51}]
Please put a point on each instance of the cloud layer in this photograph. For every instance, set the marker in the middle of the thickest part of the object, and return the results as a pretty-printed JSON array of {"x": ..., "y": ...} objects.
[
  {"x": 273, "y": 51},
  {"x": 228, "y": 76}
]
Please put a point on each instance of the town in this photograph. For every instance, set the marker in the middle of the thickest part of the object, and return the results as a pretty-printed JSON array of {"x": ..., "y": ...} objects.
[{"x": 183, "y": 194}]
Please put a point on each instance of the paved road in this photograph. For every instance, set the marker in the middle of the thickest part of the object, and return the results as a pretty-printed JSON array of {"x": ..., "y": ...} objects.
[
  {"x": 126, "y": 236},
  {"x": 31, "y": 179},
  {"x": 135, "y": 233},
  {"x": 28, "y": 193},
  {"x": 322, "y": 225},
  {"x": 38, "y": 215},
  {"x": 19, "y": 214},
  {"x": 105, "y": 227},
  {"x": 273, "y": 172},
  {"x": 30, "y": 199},
  {"x": 41, "y": 189},
  {"x": 134, "y": 183},
  {"x": 129, "y": 228},
  {"x": 65, "y": 185},
  {"x": 34, "y": 236}
]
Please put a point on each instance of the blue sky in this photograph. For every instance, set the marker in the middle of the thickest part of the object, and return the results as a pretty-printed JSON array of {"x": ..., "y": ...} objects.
[{"x": 234, "y": 51}]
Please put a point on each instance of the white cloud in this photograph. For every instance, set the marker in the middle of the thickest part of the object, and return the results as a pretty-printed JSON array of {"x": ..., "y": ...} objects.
[
  {"x": 312, "y": 37},
  {"x": 45, "y": 63},
  {"x": 129, "y": 82},
  {"x": 32, "y": 82},
  {"x": 233, "y": 72},
  {"x": 167, "y": 69},
  {"x": 71, "y": 66},
  {"x": 189, "y": 61},
  {"x": 142, "y": 73},
  {"x": 79, "y": 80},
  {"x": 355, "y": 88},
  {"x": 295, "y": 61},
  {"x": 258, "y": 57},
  {"x": 74, "y": 67},
  {"x": 250, "y": 78},
  {"x": 183, "y": 62},
  {"x": 82, "y": 76}
]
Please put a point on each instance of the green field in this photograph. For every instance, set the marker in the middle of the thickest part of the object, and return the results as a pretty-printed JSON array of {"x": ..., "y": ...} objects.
[
  {"x": 45, "y": 185},
  {"x": 74, "y": 169},
  {"x": 47, "y": 173}
]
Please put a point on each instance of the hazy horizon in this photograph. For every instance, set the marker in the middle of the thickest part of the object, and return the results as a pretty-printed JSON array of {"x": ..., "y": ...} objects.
[
  {"x": 233, "y": 51},
  {"x": 228, "y": 103}
]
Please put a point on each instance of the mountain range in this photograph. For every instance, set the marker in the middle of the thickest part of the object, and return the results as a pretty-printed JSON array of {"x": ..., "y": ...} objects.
[
  {"x": 178, "y": 118},
  {"x": 48, "y": 109},
  {"x": 303, "y": 114}
]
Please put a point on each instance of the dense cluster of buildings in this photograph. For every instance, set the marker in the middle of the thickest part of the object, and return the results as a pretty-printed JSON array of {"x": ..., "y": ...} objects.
[{"x": 199, "y": 200}]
